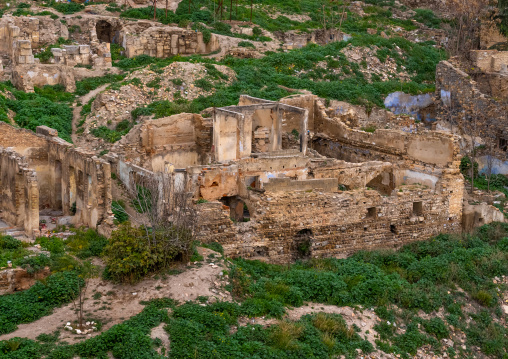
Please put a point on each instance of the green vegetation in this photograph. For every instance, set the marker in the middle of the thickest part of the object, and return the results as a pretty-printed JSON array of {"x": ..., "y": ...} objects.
[
  {"x": 445, "y": 274},
  {"x": 67, "y": 8},
  {"x": 45, "y": 55},
  {"x": 36, "y": 302},
  {"x": 116, "y": 52},
  {"x": 86, "y": 243},
  {"x": 427, "y": 17},
  {"x": 132, "y": 253},
  {"x": 87, "y": 108},
  {"x": 47, "y": 106},
  {"x": 421, "y": 276},
  {"x": 91, "y": 83},
  {"x": 118, "y": 209},
  {"x": 246, "y": 44},
  {"x": 11, "y": 250},
  {"x": 502, "y": 16},
  {"x": 112, "y": 136}
]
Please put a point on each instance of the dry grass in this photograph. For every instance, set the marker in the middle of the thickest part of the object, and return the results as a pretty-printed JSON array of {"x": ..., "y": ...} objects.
[{"x": 285, "y": 335}]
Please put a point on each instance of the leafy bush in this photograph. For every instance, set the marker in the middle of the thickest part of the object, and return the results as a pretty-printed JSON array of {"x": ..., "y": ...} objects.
[
  {"x": 131, "y": 253},
  {"x": 436, "y": 327},
  {"x": 204, "y": 84},
  {"x": 116, "y": 52},
  {"x": 54, "y": 245},
  {"x": 8, "y": 242},
  {"x": 122, "y": 128},
  {"x": 427, "y": 17},
  {"x": 67, "y": 8}
]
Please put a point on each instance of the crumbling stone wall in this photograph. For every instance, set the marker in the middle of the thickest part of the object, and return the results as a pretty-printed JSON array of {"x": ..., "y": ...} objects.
[
  {"x": 255, "y": 125},
  {"x": 18, "y": 279},
  {"x": 19, "y": 192},
  {"x": 167, "y": 41},
  {"x": 72, "y": 55},
  {"x": 297, "y": 196},
  {"x": 66, "y": 175},
  {"x": 39, "y": 30},
  {"x": 25, "y": 77},
  {"x": 180, "y": 141},
  {"x": 340, "y": 223},
  {"x": 334, "y": 139},
  {"x": 294, "y": 40},
  {"x": 458, "y": 94}
]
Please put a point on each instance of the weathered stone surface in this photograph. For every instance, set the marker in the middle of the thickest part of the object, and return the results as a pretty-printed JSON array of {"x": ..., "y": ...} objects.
[{"x": 18, "y": 279}]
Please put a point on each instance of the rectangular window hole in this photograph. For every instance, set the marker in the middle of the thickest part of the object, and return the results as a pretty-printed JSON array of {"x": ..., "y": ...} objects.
[
  {"x": 417, "y": 208},
  {"x": 393, "y": 228},
  {"x": 371, "y": 212}
]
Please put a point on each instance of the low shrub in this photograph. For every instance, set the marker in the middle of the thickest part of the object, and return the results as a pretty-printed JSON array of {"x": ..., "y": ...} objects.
[
  {"x": 246, "y": 44},
  {"x": 132, "y": 253},
  {"x": 86, "y": 243}
]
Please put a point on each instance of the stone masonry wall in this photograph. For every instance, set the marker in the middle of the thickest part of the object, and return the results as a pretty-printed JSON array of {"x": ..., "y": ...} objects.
[
  {"x": 18, "y": 279},
  {"x": 340, "y": 223},
  {"x": 19, "y": 192},
  {"x": 459, "y": 95},
  {"x": 168, "y": 41},
  {"x": 67, "y": 175}
]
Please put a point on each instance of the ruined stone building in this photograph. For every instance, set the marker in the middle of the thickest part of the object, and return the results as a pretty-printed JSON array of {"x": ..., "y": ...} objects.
[
  {"x": 284, "y": 180},
  {"x": 324, "y": 190},
  {"x": 41, "y": 172},
  {"x": 21, "y": 37},
  {"x": 477, "y": 91}
]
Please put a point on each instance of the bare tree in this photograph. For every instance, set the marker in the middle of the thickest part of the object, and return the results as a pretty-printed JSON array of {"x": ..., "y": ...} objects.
[
  {"x": 469, "y": 15},
  {"x": 168, "y": 213},
  {"x": 88, "y": 271}
]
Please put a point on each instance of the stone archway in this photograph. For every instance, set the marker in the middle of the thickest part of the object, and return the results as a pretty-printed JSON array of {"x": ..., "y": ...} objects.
[
  {"x": 104, "y": 31},
  {"x": 239, "y": 212}
]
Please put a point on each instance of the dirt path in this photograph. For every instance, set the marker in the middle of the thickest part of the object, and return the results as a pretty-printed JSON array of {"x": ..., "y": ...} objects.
[
  {"x": 76, "y": 117},
  {"x": 117, "y": 303}
]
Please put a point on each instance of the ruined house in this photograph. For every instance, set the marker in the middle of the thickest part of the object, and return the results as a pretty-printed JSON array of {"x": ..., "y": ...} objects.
[
  {"x": 22, "y": 37},
  {"x": 41, "y": 172},
  {"x": 330, "y": 191},
  {"x": 478, "y": 90}
]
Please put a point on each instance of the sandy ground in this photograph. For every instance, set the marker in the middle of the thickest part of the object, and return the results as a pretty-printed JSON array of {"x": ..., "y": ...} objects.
[{"x": 118, "y": 303}]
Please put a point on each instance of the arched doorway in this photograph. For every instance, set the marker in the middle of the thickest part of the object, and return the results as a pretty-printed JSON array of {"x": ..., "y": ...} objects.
[
  {"x": 238, "y": 210},
  {"x": 303, "y": 243},
  {"x": 104, "y": 31}
]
